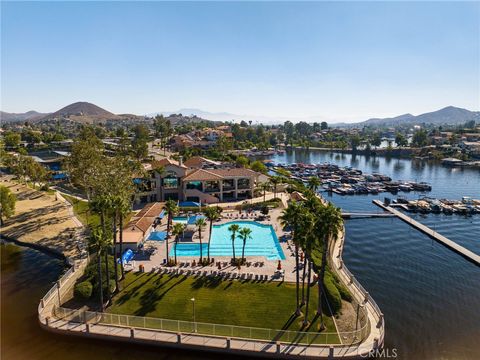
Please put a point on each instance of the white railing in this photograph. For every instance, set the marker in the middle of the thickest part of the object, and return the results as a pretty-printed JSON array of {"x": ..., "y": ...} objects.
[{"x": 210, "y": 329}]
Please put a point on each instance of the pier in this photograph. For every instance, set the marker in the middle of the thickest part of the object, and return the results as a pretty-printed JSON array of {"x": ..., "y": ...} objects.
[
  {"x": 352, "y": 215},
  {"x": 469, "y": 255}
]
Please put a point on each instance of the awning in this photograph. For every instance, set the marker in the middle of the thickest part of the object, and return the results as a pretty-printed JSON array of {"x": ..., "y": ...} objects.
[
  {"x": 157, "y": 235},
  {"x": 193, "y": 219},
  {"x": 162, "y": 214},
  {"x": 189, "y": 204}
]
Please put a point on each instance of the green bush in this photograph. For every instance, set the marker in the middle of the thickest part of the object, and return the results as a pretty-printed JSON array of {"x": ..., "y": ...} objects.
[
  {"x": 83, "y": 290},
  {"x": 333, "y": 295}
]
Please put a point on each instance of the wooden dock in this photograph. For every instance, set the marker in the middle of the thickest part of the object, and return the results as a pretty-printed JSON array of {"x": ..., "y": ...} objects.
[
  {"x": 350, "y": 215},
  {"x": 469, "y": 255}
]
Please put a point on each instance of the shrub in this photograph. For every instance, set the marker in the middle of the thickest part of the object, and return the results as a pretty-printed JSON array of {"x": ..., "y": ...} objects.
[
  {"x": 333, "y": 295},
  {"x": 83, "y": 290}
]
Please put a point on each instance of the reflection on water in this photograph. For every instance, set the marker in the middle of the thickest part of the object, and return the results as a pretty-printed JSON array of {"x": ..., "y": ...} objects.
[
  {"x": 26, "y": 275},
  {"x": 430, "y": 295}
]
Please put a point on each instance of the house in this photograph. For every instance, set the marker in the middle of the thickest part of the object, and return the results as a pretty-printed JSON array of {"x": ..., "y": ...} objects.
[
  {"x": 140, "y": 226},
  {"x": 197, "y": 180}
]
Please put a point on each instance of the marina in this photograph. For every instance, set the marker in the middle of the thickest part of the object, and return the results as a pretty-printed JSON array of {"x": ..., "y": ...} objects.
[
  {"x": 469, "y": 255},
  {"x": 425, "y": 205},
  {"x": 348, "y": 180}
]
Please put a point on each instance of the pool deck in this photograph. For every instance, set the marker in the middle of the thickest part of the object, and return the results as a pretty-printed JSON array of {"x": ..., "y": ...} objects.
[{"x": 269, "y": 267}]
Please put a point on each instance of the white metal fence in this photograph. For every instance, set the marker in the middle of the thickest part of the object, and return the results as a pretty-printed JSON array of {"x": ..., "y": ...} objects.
[{"x": 209, "y": 329}]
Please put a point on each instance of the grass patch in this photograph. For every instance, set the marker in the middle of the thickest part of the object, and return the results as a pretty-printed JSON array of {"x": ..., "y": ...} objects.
[
  {"x": 81, "y": 209},
  {"x": 230, "y": 302}
]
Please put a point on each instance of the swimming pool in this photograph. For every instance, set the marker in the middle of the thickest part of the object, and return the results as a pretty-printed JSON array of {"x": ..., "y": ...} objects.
[
  {"x": 263, "y": 242},
  {"x": 180, "y": 219}
]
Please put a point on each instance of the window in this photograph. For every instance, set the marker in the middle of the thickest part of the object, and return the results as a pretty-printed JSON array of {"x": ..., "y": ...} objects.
[
  {"x": 228, "y": 184},
  {"x": 243, "y": 183},
  {"x": 194, "y": 185},
  {"x": 170, "y": 181}
]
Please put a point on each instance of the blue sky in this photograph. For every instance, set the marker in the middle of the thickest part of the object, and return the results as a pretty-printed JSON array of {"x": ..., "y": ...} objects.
[{"x": 340, "y": 61}]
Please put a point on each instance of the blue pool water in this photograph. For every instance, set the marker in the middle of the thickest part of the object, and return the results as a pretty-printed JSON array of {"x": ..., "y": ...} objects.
[
  {"x": 263, "y": 242},
  {"x": 180, "y": 219}
]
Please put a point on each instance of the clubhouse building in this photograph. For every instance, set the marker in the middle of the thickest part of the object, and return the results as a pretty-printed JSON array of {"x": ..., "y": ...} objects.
[{"x": 197, "y": 180}]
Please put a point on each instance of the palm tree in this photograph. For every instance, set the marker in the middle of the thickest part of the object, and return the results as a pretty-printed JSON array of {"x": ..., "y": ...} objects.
[
  {"x": 274, "y": 180},
  {"x": 201, "y": 223},
  {"x": 291, "y": 218},
  {"x": 178, "y": 229},
  {"x": 265, "y": 186},
  {"x": 328, "y": 226},
  {"x": 101, "y": 205},
  {"x": 233, "y": 229},
  {"x": 123, "y": 208},
  {"x": 96, "y": 242},
  {"x": 313, "y": 183},
  {"x": 245, "y": 234},
  {"x": 172, "y": 208},
  {"x": 212, "y": 214}
]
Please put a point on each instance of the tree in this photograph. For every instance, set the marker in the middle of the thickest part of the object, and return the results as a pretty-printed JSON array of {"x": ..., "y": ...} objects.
[
  {"x": 258, "y": 166},
  {"x": 139, "y": 143},
  {"x": 354, "y": 142},
  {"x": 172, "y": 208},
  {"x": 323, "y": 125},
  {"x": 233, "y": 229},
  {"x": 200, "y": 225},
  {"x": 291, "y": 218},
  {"x": 274, "y": 180},
  {"x": 245, "y": 234},
  {"x": 376, "y": 140},
  {"x": 313, "y": 183},
  {"x": 419, "y": 138},
  {"x": 265, "y": 186},
  {"x": 7, "y": 203},
  {"x": 85, "y": 162},
  {"x": 327, "y": 227},
  {"x": 12, "y": 139},
  {"x": 178, "y": 229},
  {"x": 96, "y": 241},
  {"x": 212, "y": 214},
  {"x": 242, "y": 161},
  {"x": 400, "y": 140}
]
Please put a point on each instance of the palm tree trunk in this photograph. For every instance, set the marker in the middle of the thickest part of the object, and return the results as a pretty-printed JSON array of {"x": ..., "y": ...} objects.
[
  {"x": 100, "y": 280},
  {"x": 166, "y": 245},
  {"x": 305, "y": 320},
  {"x": 201, "y": 251},
  {"x": 210, "y": 236},
  {"x": 264, "y": 193},
  {"x": 297, "y": 263},
  {"x": 168, "y": 224},
  {"x": 176, "y": 243},
  {"x": 121, "y": 246},
  {"x": 243, "y": 250},
  {"x": 233, "y": 246},
  {"x": 107, "y": 275},
  {"x": 117, "y": 287},
  {"x": 303, "y": 280},
  {"x": 321, "y": 276}
]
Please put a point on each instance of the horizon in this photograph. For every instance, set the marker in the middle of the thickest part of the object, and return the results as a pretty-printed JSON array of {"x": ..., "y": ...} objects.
[{"x": 272, "y": 60}]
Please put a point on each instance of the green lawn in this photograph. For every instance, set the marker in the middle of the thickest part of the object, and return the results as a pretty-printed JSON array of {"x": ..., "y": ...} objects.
[
  {"x": 250, "y": 304},
  {"x": 81, "y": 210}
]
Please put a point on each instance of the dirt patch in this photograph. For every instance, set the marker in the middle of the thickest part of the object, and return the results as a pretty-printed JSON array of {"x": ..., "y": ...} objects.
[{"x": 42, "y": 219}]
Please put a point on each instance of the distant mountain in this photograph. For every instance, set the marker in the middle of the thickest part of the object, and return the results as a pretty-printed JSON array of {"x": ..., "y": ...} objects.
[
  {"x": 84, "y": 112},
  {"x": 13, "y": 117},
  {"x": 450, "y": 115}
]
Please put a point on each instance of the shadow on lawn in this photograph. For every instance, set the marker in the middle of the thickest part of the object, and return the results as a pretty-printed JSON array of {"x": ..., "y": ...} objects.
[
  {"x": 150, "y": 297},
  {"x": 208, "y": 282}
]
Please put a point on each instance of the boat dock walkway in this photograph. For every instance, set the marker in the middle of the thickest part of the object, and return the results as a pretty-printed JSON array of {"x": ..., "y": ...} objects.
[
  {"x": 469, "y": 255},
  {"x": 349, "y": 215}
]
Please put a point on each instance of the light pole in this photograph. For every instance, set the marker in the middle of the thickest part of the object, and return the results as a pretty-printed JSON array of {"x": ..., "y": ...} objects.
[{"x": 194, "y": 323}]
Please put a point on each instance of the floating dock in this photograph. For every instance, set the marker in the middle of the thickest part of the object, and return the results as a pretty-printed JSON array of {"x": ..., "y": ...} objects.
[
  {"x": 350, "y": 215},
  {"x": 469, "y": 255}
]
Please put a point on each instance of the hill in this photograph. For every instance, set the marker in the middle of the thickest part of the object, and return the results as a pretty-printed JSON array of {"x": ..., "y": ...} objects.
[
  {"x": 6, "y": 117},
  {"x": 450, "y": 115},
  {"x": 84, "y": 112}
]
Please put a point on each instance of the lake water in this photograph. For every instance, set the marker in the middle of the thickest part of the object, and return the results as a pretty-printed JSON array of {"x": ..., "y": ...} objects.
[{"x": 430, "y": 295}]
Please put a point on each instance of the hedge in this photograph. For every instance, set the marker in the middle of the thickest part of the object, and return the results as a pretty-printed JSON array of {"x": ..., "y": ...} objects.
[
  {"x": 333, "y": 295},
  {"x": 83, "y": 290}
]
